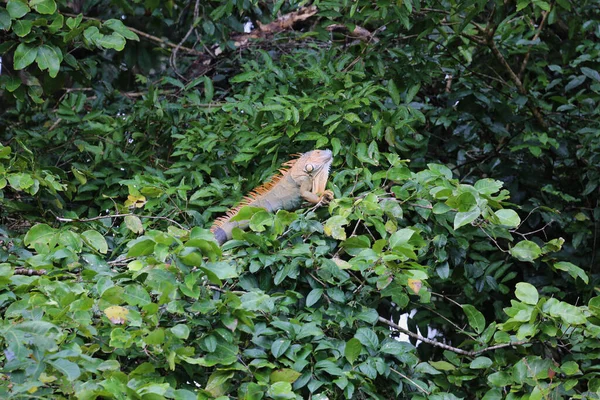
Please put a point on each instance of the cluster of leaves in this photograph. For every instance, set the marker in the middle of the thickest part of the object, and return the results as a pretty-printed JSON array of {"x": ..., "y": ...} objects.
[
  {"x": 292, "y": 317},
  {"x": 429, "y": 118}
]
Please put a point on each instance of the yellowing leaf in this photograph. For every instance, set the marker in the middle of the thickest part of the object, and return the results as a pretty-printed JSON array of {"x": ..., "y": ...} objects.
[
  {"x": 135, "y": 201},
  {"x": 116, "y": 314},
  {"x": 334, "y": 227},
  {"x": 341, "y": 263},
  {"x": 134, "y": 224},
  {"x": 415, "y": 285}
]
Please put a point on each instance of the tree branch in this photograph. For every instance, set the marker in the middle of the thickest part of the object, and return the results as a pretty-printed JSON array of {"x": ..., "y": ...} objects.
[
  {"x": 448, "y": 347},
  {"x": 513, "y": 77},
  {"x": 173, "y": 58},
  {"x": 535, "y": 37}
]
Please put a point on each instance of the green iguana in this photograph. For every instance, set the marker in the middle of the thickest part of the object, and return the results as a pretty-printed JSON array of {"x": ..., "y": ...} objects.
[{"x": 301, "y": 179}]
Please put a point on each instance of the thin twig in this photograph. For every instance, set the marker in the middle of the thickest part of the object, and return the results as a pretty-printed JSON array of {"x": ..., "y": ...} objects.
[
  {"x": 524, "y": 235},
  {"x": 147, "y": 36},
  {"x": 450, "y": 322},
  {"x": 173, "y": 58},
  {"x": 534, "y": 110},
  {"x": 492, "y": 239},
  {"x": 411, "y": 381},
  {"x": 535, "y": 37}
]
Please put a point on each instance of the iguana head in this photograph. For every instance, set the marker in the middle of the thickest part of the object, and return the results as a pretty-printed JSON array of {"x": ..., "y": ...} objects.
[{"x": 314, "y": 164}]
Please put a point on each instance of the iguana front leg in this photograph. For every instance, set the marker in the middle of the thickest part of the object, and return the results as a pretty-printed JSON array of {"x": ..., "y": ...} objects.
[{"x": 314, "y": 198}]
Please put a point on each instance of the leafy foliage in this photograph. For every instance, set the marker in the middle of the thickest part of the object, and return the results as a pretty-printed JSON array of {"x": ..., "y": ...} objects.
[{"x": 466, "y": 146}]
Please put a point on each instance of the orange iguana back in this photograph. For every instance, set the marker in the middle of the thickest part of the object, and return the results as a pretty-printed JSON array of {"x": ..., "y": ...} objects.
[{"x": 301, "y": 179}]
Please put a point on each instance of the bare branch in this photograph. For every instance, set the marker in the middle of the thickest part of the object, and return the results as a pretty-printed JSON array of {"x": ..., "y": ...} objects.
[
  {"x": 29, "y": 271},
  {"x": 445, "y": 346},
  {"x": 411, "y": 381}
]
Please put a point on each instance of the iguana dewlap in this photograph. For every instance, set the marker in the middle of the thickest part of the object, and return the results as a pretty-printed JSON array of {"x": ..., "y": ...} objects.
[{"x": 301, "y": 179}]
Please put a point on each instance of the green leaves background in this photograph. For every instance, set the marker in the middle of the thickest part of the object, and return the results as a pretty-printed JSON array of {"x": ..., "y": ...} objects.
[{"x": 452, "y": 198}]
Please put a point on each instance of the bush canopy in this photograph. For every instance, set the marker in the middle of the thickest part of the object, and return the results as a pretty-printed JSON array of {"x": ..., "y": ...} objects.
[{"x": 466, "y": 173}]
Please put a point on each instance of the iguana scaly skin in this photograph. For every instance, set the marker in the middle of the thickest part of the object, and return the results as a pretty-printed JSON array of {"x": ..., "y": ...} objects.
[{"x": 301, "y": 179}]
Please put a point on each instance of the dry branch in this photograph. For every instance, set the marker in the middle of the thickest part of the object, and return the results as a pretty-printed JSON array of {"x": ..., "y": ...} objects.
[
  {"x": 284, "y": 23},
  {"x": 358, "y": 32}
]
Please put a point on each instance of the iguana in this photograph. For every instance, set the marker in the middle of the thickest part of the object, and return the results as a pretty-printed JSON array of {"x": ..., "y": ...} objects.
[{"x": 298, "y": 180}]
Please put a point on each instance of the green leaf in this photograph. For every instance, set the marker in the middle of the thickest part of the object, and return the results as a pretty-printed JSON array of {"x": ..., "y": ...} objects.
[
  {"x": 313, "y": 297},
  {"x": 261, "y": 219},
  {"x": 500, "y": 379},
  {"x": 67, "y": 368},
  {"x": 527, "y": 293},
  {"x": 281, "y": 391},
  {"x": 568, "y": 313},
  {"x": 246, "y": 212},
  {"x": 181, "y": 331},
  {"x": 493, "y": 394},
  {"x": 222, "y": 269},
  {"x": 591, "y": 73},
  {"x": 120, "y": 28},
  {"x": 285, "y": 375},
  {"x": 24, "y": 55},
  {"x": 136, "y": 295},
  {"x": 575, "y": 82},
  {"x": 141, "y": 247},
  {"x": 464, "y": 218},
  {"x": 16, "y": 8},
  {"x": 572, "y": 269},
  {"x": 244, "y": 77},
  {"x": 526, "y": 250},
  {"x": 217, "y": 383},
  {"x": 48, "y": 59},
  {"x": 396, "y": 348},
  {"x": 43, "y": 6},
  {"x": 488, "y": 186},
  {"x": 570, "y": 368},
  {"x": 367, "y": 337},
  {"x": 393, "y": 91},
  {"x": 257, "y": 301},
  {"x": 113, "y": 41},
  {"x": 352, "y": 350},
  {"x": 209, "y": 90},
  {"x": 5, "y": 20},
  {"x": 39, "y": 233},
  {"x": 521, "y": 4},
  {"x": 95, "y": 240},
  {"x": 594, "y": 305},
  {"x": 280, "y": 346},
  {"x": 412, "y": 92},
  {"x": 22, "y": 27},
  {"x": 481, "y": 363},
  {"x": 475, "y": 318},
  {"x": 465, "y": 202},
  {"x": 442, "y": 365},
  {"x": 508, "y": 218}
]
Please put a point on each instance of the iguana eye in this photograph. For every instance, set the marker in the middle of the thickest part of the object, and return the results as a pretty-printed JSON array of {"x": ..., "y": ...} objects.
[{"x": 309, "y": 168}]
